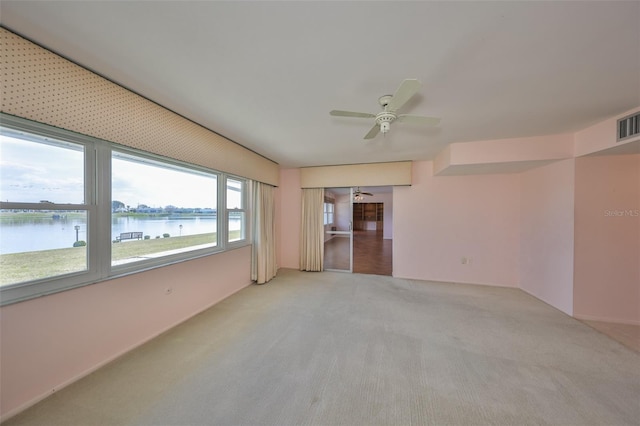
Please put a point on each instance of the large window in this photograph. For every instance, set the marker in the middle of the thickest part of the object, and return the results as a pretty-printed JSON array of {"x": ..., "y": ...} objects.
[
  {"x": 76, "y": 210},
  {"x": 159, "y": 209},
  {"x": 43, "y": 223}
]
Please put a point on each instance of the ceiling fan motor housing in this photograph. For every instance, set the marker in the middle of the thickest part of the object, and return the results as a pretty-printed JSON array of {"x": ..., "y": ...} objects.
[{"x": 384, "y": 119}]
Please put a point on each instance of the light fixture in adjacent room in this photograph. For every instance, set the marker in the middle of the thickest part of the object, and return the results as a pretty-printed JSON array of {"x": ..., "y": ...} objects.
[{"x": 359, "y": 195}]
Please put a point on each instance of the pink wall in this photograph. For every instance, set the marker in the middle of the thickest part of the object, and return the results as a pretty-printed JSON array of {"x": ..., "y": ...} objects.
[
  {"x": 439, "y": 220},
  {"x": 607, "y": 243},
  {"x": 546, "y": 247},
  {"x": 288, "y": 210},
  {"x": 51, "y": 341}
]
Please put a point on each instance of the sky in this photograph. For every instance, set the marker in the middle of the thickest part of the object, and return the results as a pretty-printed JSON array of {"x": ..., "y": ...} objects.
[
  {"x": 33, "y": 172},
  {"x": 134, "y": 183}
]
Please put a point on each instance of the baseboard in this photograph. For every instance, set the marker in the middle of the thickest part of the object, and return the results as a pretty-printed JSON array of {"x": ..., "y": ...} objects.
[
  {"x": 110, "y": 359},
  {"x": 605, "y": 319},
  {"x": 445, "y": 281},
  {"x": 546, "y": 302}
]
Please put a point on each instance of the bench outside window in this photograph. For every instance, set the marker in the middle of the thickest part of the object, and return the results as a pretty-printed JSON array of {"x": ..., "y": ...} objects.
[{"x": 129, "y": 236}]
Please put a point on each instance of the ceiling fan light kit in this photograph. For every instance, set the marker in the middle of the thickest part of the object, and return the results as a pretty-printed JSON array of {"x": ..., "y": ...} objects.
[
  {"x": 390, "y": 104},
  {"x": 384, "y": 120}
]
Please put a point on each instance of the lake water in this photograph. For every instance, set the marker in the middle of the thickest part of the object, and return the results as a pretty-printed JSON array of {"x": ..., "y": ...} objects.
[{"x": 49, "y": 233}]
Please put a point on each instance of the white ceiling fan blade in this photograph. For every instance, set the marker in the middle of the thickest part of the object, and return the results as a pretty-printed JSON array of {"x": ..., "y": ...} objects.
[
  {"x": 373, "y": 132},
  {"x": 339, "y": 113},
  {"x": 407, "y": 89},
  {"x": 418, "y": 119}
]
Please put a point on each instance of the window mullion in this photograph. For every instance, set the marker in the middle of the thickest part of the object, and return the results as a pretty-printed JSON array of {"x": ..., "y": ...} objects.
[
  {"x": 100, "y": 249},
  {"x": 222, "y": 213}
]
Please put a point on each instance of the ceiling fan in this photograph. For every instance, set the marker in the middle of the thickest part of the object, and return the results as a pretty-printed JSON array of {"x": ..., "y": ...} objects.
[
  {"x": 358, "y": 192},
  {"x": 390, "y": 105},
  {"x": 358, "y": 195}
]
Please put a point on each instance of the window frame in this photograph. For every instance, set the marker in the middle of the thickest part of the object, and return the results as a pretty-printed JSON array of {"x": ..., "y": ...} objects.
[
  {"x": 327, "y": 213},
  {"x": 132, "y": 267},
  {"x": 244, "y": 209},
  {"x": 97, "y": 204},
  {"x": 39, "y": 287}
]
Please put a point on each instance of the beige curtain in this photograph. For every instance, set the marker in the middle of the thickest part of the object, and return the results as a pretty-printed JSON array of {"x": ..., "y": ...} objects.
[
  {"x": 312, "y": 234},
  {"x": 263, "y": 251}
]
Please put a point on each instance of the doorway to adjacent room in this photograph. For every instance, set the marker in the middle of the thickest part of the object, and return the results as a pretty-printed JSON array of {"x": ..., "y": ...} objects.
[{"x": 359, "y": 232}]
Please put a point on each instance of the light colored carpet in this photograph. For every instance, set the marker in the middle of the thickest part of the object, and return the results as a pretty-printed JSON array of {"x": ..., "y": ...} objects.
[
  {"x": 627, "y": 334},
  {"x": 341, "y": 349}
]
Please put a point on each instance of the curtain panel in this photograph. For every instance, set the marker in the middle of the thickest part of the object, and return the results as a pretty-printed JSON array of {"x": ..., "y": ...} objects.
[
  {"x": 312, "y": 233},
  {"x": 263, "y": 251}
]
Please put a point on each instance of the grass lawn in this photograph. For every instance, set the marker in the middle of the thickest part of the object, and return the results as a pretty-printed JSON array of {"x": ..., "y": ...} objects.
[
  {"x": 21, "y": 267},
  {"x": 129, "y": 249}
]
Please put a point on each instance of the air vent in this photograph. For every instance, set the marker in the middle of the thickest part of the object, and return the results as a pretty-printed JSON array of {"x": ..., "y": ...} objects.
[{"x": 629, "y": 126}]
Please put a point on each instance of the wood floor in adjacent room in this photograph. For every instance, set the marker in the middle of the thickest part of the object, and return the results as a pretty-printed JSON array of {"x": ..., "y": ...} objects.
[
  {"x": 328, "y": 348},
  {"x": 372, "y": 254}
]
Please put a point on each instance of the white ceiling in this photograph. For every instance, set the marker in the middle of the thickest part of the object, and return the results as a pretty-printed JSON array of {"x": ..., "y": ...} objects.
[{"x": 266, "y": 74}]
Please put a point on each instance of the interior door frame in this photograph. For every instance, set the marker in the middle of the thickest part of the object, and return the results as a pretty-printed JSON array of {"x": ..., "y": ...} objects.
[{"x": 349, "y": 232}]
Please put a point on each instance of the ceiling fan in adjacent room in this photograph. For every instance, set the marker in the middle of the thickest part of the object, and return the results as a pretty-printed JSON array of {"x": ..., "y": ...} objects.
[
  {"x": 359, "y": 195},
  {"x": 390, "y": 105}
]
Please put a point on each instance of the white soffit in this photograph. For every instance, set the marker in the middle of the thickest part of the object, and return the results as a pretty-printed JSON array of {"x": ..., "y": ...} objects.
[
  {"x": 492, "y": 168},
  {"x": 503, "y": 156},
  {"x": 629, "y": 148}
]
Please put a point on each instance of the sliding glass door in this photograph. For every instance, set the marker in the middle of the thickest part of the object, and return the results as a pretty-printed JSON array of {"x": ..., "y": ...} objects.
[{"x": 338, "y": 226}]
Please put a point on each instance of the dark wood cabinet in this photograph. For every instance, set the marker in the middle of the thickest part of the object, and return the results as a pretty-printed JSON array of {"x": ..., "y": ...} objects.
[{"x": 368, "y": 216}]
